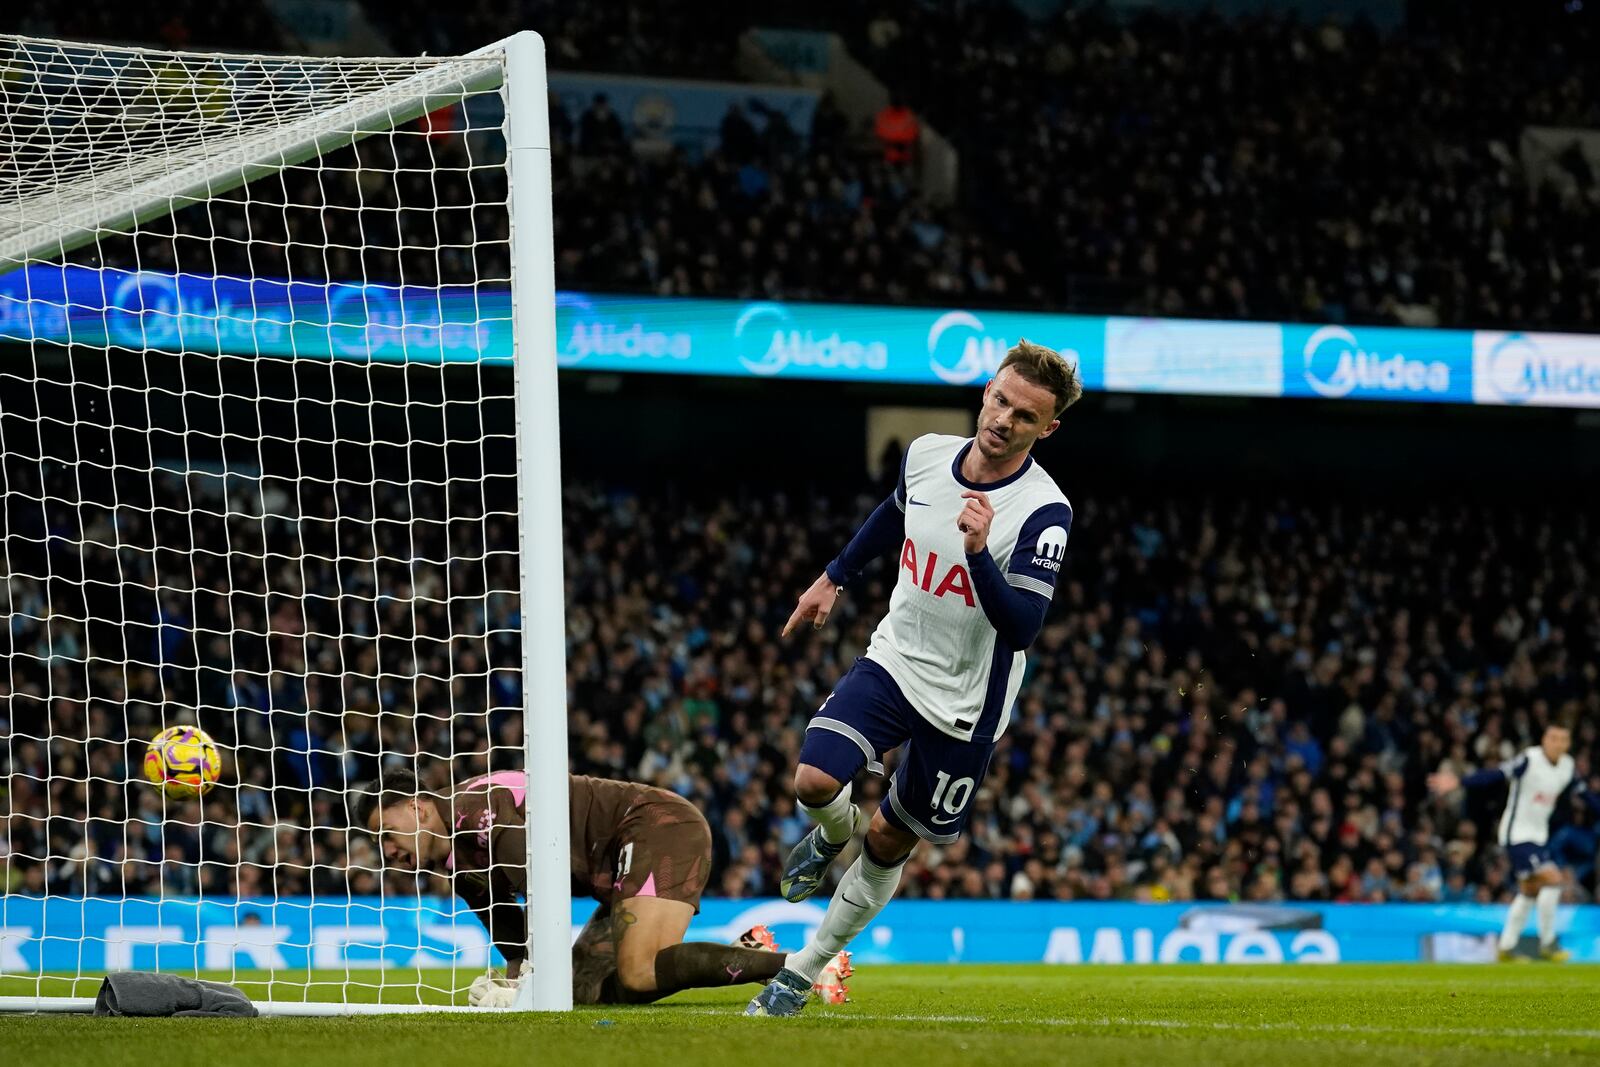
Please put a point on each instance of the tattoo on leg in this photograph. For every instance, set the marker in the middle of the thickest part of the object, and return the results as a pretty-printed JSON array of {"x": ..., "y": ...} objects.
[
  {"x": 590, "y": 970},
  {"x": 621, "y": 921},
  {"x": 594, "y": 963}
]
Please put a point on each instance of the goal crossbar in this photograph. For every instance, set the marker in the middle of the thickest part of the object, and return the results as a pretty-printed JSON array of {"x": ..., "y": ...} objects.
[{"x": 35, "y": 226}]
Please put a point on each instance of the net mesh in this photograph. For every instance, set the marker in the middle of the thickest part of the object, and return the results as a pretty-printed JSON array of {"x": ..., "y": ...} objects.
[{"x": 257, "y": 476}]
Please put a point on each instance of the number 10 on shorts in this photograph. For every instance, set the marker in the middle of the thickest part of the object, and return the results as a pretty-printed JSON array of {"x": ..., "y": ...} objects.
[{"x": 951, "y": 796}]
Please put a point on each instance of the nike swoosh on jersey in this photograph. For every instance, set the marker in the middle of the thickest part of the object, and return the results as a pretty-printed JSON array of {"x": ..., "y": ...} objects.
[{"x": 918, "y": 503}]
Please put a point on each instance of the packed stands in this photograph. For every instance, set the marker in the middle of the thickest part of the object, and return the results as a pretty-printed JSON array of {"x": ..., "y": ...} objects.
[{"x": 1233, "y": 698}]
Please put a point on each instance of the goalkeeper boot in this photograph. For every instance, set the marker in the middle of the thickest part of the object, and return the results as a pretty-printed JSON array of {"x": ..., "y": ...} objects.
[
  {"x": 1554, "y": 953},
  {"x": 758, "y": 937},
  {"x": 809, "y": 860},
  {"x": 829, "y": 986},
  {"x": 786, "y": 994}
]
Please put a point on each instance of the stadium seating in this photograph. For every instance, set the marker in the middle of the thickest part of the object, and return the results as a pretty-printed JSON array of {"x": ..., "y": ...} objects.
[
  {"x": 676, "y": 38},
  {"x": 1233, "y": 697},
  {"x": 180, "y": 24},
  {"x": 1179, "y": 165},
  {"x": 818, "y": 225},
  {"x": 1104, "y": 168},
  {"x": 1262, "y": 167}
]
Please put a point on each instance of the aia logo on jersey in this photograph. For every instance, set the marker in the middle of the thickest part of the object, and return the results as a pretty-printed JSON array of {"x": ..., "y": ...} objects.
[
  {"x": 1051, "y": 549},
  {"x": 954, "y": 581}
]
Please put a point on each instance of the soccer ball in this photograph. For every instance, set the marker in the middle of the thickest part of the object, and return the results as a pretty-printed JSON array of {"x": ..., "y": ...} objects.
[{"x": 183, "y": 761}]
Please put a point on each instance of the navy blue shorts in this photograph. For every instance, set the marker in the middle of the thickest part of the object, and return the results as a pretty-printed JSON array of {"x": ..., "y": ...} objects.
[
  {"x": 1526, "y": 859},
  {"x": 866, "y": 717}
]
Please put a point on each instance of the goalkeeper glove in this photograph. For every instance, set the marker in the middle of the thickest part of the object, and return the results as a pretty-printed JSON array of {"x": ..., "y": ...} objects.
[{"x": 493, "y": 990}]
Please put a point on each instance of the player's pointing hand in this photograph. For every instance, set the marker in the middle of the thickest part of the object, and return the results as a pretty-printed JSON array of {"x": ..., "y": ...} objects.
[
  {"x": 815, "y": 604},
  {"x": 1442, "y": 782},
  {"x": 974, "y": 521}
]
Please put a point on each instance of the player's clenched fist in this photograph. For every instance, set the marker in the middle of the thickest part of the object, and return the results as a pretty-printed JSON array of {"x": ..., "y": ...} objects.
[
  {"x": 815, "y": 604},
  {"x": 974, "y": 521}
]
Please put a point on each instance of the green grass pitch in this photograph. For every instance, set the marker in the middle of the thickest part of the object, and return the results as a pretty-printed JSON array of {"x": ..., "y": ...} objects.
[{"x": 1188, "y": 1016}]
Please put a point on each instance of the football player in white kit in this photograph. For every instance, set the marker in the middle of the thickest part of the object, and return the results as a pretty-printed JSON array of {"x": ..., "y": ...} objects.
[
  {"x": 980, "y": 531},
  {"x": 1539, "y": 778}
]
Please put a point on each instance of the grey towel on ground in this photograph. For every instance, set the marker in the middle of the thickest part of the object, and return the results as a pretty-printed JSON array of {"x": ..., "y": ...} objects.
[{"x": 147, "y": 993}]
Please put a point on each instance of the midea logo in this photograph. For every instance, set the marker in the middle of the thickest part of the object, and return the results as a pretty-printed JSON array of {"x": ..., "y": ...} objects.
[
  {"x": 975, "y": 354},
  {"x": 1336, "y": 365},
  {"x": 767, "y": 340}
]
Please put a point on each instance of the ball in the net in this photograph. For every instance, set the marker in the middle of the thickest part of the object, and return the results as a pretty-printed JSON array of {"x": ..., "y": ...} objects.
[{"x": 183, "y": 761}]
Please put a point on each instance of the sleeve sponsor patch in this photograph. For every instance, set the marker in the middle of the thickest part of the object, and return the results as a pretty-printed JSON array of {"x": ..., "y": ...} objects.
[{"x": 1041, "y": 548}]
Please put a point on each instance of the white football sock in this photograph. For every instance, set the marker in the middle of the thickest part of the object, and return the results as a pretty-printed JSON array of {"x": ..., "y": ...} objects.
[
  {"x": 837, "y": 817},
  {"x": 862, "y": 893},
  {"x": 1549, "y": 897},
  {"x": 1516, "y": 922}
]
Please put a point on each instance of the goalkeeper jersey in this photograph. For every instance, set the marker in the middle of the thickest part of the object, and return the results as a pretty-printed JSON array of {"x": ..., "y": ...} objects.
[{"x": 627, "y": 840}]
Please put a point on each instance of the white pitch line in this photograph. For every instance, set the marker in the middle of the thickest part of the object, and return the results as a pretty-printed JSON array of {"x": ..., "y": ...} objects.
[
  {"x": 1189, "y": 1024},
  {"x": 1325, "y": 1028}
]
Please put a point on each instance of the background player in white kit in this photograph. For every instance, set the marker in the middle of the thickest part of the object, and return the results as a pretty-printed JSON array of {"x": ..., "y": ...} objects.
[
  {"x": 1539, "y": 778},
  {"x": 981, "y": 532}
]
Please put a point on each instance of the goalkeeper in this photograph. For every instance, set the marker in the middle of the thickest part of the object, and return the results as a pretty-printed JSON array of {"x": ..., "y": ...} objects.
[{"x": 643, "y": 853}]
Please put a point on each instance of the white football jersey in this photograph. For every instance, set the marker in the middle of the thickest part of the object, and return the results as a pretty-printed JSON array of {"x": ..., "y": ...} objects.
[
  {"x": 936, "y": 642},
  {"x": 1536, "y": 785}
]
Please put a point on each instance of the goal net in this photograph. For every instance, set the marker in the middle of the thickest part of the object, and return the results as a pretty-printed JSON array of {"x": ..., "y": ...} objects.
[{"x": 260, "y": 437}]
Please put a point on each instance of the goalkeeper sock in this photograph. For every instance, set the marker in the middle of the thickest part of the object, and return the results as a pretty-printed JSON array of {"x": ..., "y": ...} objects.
[
  {"x": 837, "y": 817},
  {"x": 697, "y": 965},
  {"x": 863, "y": 891},
  {"x": 612, "y": 991},
  {"x": 1516, "y": 921},
  {"x": 1549, "y": 897}
]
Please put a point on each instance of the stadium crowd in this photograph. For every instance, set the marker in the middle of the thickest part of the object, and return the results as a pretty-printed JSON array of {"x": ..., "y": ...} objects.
[
  {"x": 666, "y": 38},
  {"x": 1233, "y": 698},
  {"x": 760, "y": 218},
  {"x": 1163, "y": 163},
  {"x": 243, "y": 25},
  {"x": 308, "y": 627},
  {"x": 1264, "y": 167}
]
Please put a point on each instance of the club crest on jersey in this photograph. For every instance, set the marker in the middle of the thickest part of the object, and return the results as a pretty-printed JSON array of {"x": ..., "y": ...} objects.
[
  {"x": 955, "y": 580},
  {"x": 1051, "y": 549}
]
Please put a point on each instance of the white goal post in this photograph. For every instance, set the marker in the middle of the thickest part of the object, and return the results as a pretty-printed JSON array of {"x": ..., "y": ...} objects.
[{"x": 279, "y": 458}]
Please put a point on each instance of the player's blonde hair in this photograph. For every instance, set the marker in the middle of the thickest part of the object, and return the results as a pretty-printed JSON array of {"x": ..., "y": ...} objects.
[{"x": 1048, "y": 368}]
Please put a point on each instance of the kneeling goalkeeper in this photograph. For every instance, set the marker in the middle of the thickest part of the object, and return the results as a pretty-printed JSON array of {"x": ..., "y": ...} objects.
[{"x": 643, "y": 853}]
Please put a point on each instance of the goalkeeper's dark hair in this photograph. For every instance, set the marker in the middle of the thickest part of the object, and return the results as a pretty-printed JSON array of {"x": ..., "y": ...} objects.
[{"x": 391, "y": 788}]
